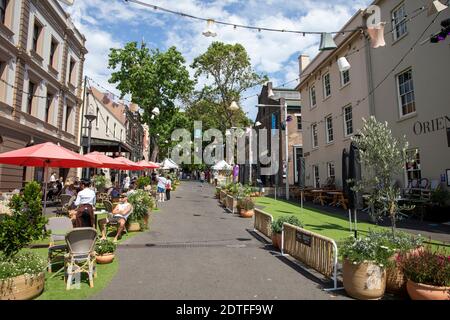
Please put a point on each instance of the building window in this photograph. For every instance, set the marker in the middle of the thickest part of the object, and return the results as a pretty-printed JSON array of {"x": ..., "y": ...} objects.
[
  {"x": 329, "y": 127},
  {"x": 345, "y": 77},
  {"x": 3, "y": 7},
  {"x": 331, "y": 171},
  {"x": 114, "y": 130},
  {"x": 53, "y": 50},
  {"x": 96, "y": 119},
  {"x": 326, "y": 86},
  {"x": 48, "y": 106},
  {"x": 121, "y": 134},
  {"x": 315, "y": 140},
  {"x": 399, "y": 22},
  {"x": 312, "y": 96},
  {"x": 316, "y": 176},
  {"x": 68, "y": 115},
  {"x": 107, "y": 125},
  {"x": 37, "y": 30},
  {"x": 413, "y": 168},
  {"x": 406, "y": 93},
  {"x": 72, "y": 65},
  {"x": 30, "y": 97},
  {"x": 299, "y": 122},
  {"x": 348, "y": 121}
]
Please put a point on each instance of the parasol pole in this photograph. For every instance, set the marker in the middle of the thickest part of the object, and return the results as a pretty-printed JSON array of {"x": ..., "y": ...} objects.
[
  {"x": 350, "y": 218},
  {"x": 45, "y": 184},
  {"x": 356, "y": 224}
]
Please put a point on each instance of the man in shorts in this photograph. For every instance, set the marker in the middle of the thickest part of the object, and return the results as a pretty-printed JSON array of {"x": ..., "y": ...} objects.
[
  {"x": 120, "y": 215},
  {"x": 162, "y": 182}
]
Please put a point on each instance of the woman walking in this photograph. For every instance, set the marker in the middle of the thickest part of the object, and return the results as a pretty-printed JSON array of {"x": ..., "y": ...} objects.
[
  {"x": 168, "y": 187},
  {"x": 161, "y": 188}
]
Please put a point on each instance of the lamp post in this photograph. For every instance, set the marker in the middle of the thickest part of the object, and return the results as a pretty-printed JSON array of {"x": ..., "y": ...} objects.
[
  {"x": 90, "y": 116},
  {"x": 286, "y": 140}
]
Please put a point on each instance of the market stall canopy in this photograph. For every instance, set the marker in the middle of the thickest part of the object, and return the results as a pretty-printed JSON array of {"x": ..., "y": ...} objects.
[
  {"x": 148, "y": 164},
  {"x": 47, "y": 155},
  {"x": 107, "y": 162},
  {"x": 222, "y": 166},
  {"x": 131, "y": 165},
  {"x": 168, "y": 164}
]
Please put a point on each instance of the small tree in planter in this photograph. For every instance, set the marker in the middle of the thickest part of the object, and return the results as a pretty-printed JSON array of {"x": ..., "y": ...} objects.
[
  {"x": 104, "y": 251},
  {"x": 246, "y": 207},
  {"x": 277, "y": 228},
  {"x": 17, "y": 231},
  {"x": 143, "y": 182},
  {"x": 383, "y": 157},
  {"x": 100, "y": 182},
  {"x": 142, "y": 204}
]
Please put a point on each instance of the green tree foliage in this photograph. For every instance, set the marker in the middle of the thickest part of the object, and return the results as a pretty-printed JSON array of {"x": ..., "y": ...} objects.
[
  {"x": 153, "y": 79},
  {"x": 229, "y": 68},
  {"x": 383, "y": 158},
  {"x": 26, "y": 224}
]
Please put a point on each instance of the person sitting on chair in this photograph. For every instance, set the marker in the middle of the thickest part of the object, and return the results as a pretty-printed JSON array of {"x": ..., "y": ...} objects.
[
  {"x": 120, "y": 215},
  {"x": 84, "y": 215}
]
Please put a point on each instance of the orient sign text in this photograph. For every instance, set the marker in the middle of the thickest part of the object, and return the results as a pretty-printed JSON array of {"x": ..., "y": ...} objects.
[{"x": 425, "y": 127}]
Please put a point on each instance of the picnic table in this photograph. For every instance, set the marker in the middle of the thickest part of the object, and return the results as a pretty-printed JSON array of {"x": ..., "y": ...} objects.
[
  {"x": 338, "y": 199},
  {"x": 319, "y": 196}
]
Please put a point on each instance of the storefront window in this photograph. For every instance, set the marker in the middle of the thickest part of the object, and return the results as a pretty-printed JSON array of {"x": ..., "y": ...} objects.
[{"x": 413, "y": 167}]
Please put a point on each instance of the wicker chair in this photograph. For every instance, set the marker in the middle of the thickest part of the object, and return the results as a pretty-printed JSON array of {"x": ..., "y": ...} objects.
[
  {"x": 59, "y": 227},
  {"x": 81, "y": 256},
  {"x": 109, "y": 208}
]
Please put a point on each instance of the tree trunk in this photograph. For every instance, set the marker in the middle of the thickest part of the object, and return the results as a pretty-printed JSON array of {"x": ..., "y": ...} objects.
[
  {"x": 155, "y": 153},
  {"x": 392, "y": 215}
]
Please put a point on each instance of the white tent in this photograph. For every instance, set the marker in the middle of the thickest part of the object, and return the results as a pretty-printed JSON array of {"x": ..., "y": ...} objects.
[
  {"x": 169, "y": 164},
  {"x": 222, "y": 166}
]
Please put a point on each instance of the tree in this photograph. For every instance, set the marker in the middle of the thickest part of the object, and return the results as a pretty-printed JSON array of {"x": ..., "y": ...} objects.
[
  {"x": 153, "y": 79},
  {"x": 383, "y": 158},
  {"x": 230, "y": 68}
]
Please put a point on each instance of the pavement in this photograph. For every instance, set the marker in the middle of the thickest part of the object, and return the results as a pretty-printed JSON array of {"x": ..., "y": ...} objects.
[{"x": 195, "y": 250}]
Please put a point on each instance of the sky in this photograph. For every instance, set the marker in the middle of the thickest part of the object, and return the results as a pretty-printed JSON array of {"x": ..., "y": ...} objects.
[{"x": 112, "y": 23}]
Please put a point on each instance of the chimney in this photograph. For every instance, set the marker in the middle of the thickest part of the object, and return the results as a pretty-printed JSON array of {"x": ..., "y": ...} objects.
[{"x": 303, "y": 62}]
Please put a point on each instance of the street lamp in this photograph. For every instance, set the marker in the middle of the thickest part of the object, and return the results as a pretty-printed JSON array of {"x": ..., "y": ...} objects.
[
  {"x": 286, "y": 141},
  {"x": 90, "y": 116}
]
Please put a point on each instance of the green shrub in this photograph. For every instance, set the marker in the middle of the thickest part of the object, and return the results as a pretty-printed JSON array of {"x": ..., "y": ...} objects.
[
  {"x": 142, "y": 182},
  {"x": 26, "y": 224},
  {"x": 100, "y": 182},
  {"x": 142, "y": 203},
  {"x": 246, "y": 204},
  {"x": 105, "y": 247},
  {"x": 400, "y": 241},
  {"x": 440, "y": 196},
  {"x": 358, "y": 250},
  {"x": 277, "y": 225},
  {"x": 22, "y": 263}
]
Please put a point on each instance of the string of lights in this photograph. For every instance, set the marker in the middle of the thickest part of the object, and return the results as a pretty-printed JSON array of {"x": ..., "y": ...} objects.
[{"x": 234, "y": 25}]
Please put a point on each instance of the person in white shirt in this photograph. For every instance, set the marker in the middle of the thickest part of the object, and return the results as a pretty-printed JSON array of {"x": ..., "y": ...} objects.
[
  {"x": 84, "y": 215},
  {"x": 126, "y": 182},
  {"x": 53, "y": 177},
  {"x": 161, "y": 189},
  {"x": 120, "y": 214}
]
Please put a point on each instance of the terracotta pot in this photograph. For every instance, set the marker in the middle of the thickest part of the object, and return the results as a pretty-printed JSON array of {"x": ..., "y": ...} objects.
[
  {"x": 364, "y": 281},
  {"x": 105, "y": 258},
  {"x": 276, "y": 240},
  {"x": 22, "y": 287},
  {"x": 395, "y": 278},
  {"x": 419, "y": 291},
  {"x": 247, "y": 213},
  {"x": 134, "y": 227}
]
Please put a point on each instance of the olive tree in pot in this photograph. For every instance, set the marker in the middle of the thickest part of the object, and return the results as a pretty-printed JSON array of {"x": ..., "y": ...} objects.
[
  {"x": 104, "y": 251},
  {"x": 277, "y": 228},
  {"x": 22, "y": 273},
  {"x": 142, "y": 204},
  {"x": 246, "y": 207},
  {"x": 428, "y": 274}
]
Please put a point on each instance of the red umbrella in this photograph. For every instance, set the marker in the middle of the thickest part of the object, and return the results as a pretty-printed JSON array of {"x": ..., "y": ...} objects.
[
  {"x": 131, "y": 165},
  {"x": 47, "y": 155},
  {"x": 148, "y": 164},
  {"x": 107, "y": 162}
]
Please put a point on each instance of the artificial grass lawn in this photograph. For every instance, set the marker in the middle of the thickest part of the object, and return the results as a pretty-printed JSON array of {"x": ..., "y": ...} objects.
[{"x": 327, "y": 224}]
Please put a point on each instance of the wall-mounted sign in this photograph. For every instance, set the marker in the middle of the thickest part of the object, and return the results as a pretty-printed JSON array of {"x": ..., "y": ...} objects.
[
  {"x": 303, "y": 238},
  {"x": 425, "y": 127}
]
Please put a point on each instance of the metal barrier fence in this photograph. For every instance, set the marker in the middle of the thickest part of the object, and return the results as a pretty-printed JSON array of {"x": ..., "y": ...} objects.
[
  {"x": 314, "y": 250},
  {"x": 263, "y": 223}
]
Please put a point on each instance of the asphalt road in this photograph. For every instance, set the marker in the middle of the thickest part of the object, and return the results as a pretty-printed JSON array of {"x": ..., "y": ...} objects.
[{"x": 195, "y": 250}]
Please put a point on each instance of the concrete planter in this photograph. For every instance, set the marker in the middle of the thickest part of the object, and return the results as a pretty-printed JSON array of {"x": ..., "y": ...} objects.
[
  {"x": 24, "y": 287},
  {"x": 364, "y": 281},
  {"x": 105, "y": 258},
  {"x": 419, "y": 291}
]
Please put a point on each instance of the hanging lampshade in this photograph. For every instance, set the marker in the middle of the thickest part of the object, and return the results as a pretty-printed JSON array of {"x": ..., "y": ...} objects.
[
  {"x": 327, "y": 42},
  {"x": 376, "y": 34},
  {"x": 156, "y": 111},
  {"x": 209, "y": 32},
  {"x": 343, "y": 64},
  {"x": 234, "y": 106},
  {"x": 435, "y": 7}
]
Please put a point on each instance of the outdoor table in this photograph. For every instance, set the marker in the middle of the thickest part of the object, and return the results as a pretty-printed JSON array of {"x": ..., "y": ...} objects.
[
  {"x": 338, "y": 199},
  {"x": 318, "y": 196}
]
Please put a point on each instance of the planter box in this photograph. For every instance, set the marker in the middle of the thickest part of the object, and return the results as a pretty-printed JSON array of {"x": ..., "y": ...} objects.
[{"x": 22, "y": 287}]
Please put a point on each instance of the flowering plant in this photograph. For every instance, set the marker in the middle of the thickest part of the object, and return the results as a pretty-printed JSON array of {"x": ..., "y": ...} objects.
[
  {"x": 23, "y": 263},
  {"x": 105, "y": 247},
  {"x": 399, "y": 241},
  {"x": 359, "y": 250},
  {"x": 426, "y": 267}
]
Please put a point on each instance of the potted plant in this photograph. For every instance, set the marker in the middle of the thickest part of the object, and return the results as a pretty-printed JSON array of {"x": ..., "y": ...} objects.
[
  {"x": 104, "y": 251},
  {"x": 142, "y": 204},
  {"x": 22, "y": 273},
  {"x": 428, "y": 274},
  {"x": 100, "y": 183},
  {"x": 143, "y": 182},
  {"x": 399, "y": 243},
  {"x": 246, "y": 207},
  {"x": 277, "y": 228},
  {"x": 364, "y": 267}
]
